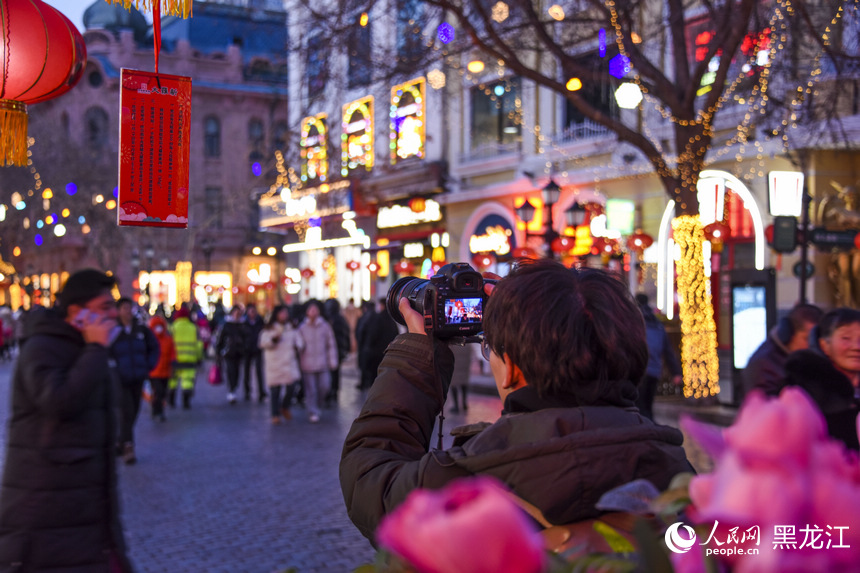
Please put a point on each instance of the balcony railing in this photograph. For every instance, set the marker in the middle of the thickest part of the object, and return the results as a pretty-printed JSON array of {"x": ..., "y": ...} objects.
[
  {"x": 491, "y": 150},
  {"x": 580, "y": 131}
]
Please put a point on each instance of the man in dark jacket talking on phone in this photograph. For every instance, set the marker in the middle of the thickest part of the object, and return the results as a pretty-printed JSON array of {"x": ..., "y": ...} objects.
[{"x": 58, "y": 498}]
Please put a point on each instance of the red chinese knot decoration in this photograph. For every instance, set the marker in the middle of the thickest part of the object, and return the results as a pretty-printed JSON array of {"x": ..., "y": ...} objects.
[
  {"x": 353, "y": 265},
  {"x": 482, "y": 261},
  {"x": 405, "y": 267},
  {"x": 43, "y": 56},
  {"x": 373, "y": 267},
  {"x": 307, "y": 273}
]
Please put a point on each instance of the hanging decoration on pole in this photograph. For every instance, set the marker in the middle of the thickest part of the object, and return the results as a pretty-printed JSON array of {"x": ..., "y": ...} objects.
[
  {"x": 43, "y": 57},
  {"x": 155, "y": 135}
]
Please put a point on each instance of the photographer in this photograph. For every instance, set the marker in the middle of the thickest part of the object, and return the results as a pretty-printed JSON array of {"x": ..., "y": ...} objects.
[{"x": 566, "y": 349}]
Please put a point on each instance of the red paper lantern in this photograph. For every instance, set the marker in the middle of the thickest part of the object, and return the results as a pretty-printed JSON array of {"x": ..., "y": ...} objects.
[
  {"x": 417, "y": 204},
  {"x": 717, "y": 232},
  {"x": 405, "y": 267},
  {"x": 353, "y": 265},
  {"x": 43, "y": 56},
  {"x": 604, "y": 246},
  {"x": 562, "y": 244},
  {"x": 525, "y": 253},
  {"x": 373, "y": 267},
  {"x": 639, "y": 241},
  {"x": 307, "y": 273},
  {"x": 482, "y": 261},
  {"x": 768, "y": 234}
]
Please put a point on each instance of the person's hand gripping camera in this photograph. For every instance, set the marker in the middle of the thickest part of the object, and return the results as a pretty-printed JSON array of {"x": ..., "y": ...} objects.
[{"x": 415, "y": 320}]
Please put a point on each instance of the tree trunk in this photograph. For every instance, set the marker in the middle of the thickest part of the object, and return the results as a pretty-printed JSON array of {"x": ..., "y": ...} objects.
[{"x": 698, "y": 329}]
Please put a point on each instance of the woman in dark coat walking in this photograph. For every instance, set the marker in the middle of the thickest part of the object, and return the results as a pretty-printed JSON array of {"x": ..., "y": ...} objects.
[{"x": 58, "y": 502}]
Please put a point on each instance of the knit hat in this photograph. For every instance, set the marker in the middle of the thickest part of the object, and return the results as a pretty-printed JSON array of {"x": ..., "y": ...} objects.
[{"x": 83, "y": 286}]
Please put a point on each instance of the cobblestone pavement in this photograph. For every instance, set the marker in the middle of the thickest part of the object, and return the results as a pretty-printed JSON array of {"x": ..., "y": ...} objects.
[{"x": 220, "y": 489}]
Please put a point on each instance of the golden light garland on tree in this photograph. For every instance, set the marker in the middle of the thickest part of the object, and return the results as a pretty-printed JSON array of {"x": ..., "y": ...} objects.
[{"x": 698, "y": 328}]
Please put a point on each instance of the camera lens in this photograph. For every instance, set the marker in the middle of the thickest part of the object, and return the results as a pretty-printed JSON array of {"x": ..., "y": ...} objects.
[{"x": 409, "y": 287}]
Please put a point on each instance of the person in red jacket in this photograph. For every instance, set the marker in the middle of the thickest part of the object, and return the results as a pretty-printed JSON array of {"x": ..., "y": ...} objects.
[{"x": 162, "y": 372}]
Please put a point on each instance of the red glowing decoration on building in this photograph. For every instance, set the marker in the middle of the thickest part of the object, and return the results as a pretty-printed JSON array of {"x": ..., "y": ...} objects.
[
  {"x": 353, "y": 265},
  {"x": 43, "y": 56},
  {"x": 417, "y": 204},
  {"x": 404, "y": 267},
  {"x": 373, "y": 267},
  {"x": 307, "y": 273}
]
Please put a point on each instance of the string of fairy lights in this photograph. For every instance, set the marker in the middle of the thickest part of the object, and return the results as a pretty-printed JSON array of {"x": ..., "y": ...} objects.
[{"x": 757, "y": 99}]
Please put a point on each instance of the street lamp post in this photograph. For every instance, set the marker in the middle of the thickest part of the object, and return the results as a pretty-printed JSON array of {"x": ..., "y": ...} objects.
[
  {"x": 207, "y": 246},
  {"x": 149, "y": 254},
  {"x": 574, "y": 215},
  {"x": 135, "y": 269}
]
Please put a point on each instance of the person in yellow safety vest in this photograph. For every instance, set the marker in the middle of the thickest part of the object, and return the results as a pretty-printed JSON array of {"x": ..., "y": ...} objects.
[{"x": 189, "y": 355}]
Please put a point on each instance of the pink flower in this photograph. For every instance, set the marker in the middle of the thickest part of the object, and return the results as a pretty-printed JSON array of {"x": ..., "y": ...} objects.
[
  {"x": 470, "y": 526},
  {"x": 776, "y": 465}
]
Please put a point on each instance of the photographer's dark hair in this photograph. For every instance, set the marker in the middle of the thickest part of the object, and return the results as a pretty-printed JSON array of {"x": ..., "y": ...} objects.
[{"x": 571, "y": 332}]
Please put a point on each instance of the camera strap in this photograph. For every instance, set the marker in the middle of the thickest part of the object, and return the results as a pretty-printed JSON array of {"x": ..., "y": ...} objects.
[{"x": 461, "y": 341}]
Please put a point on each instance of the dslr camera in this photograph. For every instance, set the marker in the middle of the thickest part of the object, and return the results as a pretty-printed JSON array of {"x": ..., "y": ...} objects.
[{"x": 452, "y": 301}]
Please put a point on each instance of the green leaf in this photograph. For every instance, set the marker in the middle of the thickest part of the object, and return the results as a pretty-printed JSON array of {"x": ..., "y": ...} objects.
[
  {"x": 653, "y": 558},
  {"x": 681, "y": 480},
  {"x": 616, "y": 541}
]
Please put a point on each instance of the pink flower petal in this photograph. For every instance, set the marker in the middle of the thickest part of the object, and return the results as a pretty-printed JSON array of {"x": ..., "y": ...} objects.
[
  {"x": 708, "y": 436},
  {"x": 470, "y": 526}
]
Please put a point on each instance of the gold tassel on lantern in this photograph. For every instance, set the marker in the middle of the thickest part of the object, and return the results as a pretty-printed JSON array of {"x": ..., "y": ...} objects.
[
  {"x": 181, "y": 8},
  {"x": 13, "y": 133}
]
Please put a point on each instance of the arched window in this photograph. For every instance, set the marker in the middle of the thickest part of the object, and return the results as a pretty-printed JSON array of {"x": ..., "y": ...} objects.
[
  {"x": 279, "y": 139},
  {"x": 255, "y": 133},
  {"x": 211, "y": 137},
  {"x": 96, "y": 126}
]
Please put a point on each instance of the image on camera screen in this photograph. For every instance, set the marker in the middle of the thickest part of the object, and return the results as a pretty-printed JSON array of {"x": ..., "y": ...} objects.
[{"x": 463, "y": 310}]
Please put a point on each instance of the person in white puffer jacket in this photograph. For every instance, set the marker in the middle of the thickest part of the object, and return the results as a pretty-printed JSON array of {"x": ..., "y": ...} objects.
[
  {"x": 281, "y": 343},
  {"x": 318, "y": 358}
]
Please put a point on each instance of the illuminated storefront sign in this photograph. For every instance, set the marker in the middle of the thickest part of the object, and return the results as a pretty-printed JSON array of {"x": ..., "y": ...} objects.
[
  {"x": 357, "y": 136},
  {"x": 289, "y": 207},
  {"x": 407, "y": 120},
  {"x": 493, "y": 234},
  {"x": 403, "y": 215},
  {"x": 314, "y": 151},
  {"x": 413, "y": 250},
  {"x": 620, "y": 215}
]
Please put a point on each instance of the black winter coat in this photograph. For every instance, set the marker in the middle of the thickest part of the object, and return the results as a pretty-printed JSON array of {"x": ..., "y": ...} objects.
[
  {"x": 557, "y": 457},
  {"x": 831, "y": 390},
  {"x": 58, "y": 498},
  {"x": 136, "y": 353}
]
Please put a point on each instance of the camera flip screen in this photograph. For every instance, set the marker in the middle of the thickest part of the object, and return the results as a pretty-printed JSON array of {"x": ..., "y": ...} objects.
[{"x": 463, "y": 310}]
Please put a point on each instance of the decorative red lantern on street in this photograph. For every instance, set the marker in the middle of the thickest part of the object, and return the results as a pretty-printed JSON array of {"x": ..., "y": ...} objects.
[
  {"x": 404, "y": 267},
  {"x": 717, "y": 232},
  {"x": 483, "y": 260},
  {"x": 417, "y": 204},
  {"x": 525, "y": 253},
  {"x": 43, "y": 56},
  {"x": 604, "y": 246},
  {"x": 353, "y": 265},
  {"x": 307, "y": 273},
  {"x": 373, "y": 267},
  {"x": 639, "y": 241},
  {"x": 286, "y": 281},
  {"x": 562, "y": 244}
]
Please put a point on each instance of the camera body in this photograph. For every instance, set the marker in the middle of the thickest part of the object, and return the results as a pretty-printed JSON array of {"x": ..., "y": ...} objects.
[{"x": 452, "y": 301}]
